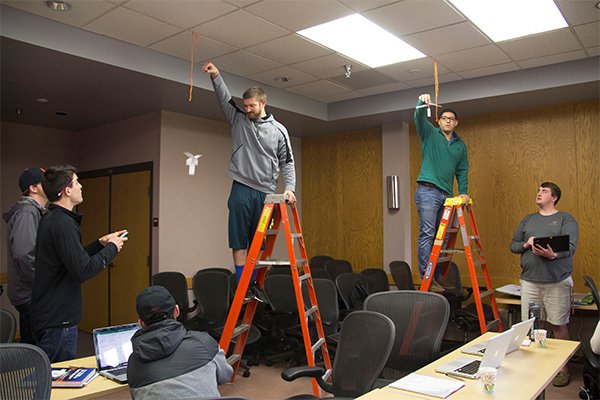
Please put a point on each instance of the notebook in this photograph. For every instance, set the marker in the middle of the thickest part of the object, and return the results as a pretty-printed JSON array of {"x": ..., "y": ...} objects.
[
  {"x": 520, "y": 333},
  {"x": 557, "y": 243},
  {"x": 113, "y": 348},
  {"x": 468, "y": 367}
]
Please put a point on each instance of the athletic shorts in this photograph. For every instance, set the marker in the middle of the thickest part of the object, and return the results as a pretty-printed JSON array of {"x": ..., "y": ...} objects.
[
  {"x": 245, "y": 206},
  {"x": 554, "y": 300}
]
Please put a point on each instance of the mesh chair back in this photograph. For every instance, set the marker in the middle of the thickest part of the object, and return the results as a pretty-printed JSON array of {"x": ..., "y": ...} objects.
[
  {"x": 8, "y": 326},
  {"x": 346, "y": 284},
  {"x": 327, "y": 301},
  {"x": 24, "y": 372},
  {"x": 176, "y": 284},
  {"x": 336, "y": 267},
  {"x": 279, "y": 289},
  {"x": 211, "y": 289},
  {"x": 402, "y": 275},
  {"x": 320, "y": 274},
  {"x": 318, "y": 262},
  {"x": 280, "y": 269},
  {"x": 365, "y": 344},
  {"x": 218, "y": 269},
  {"x": 377, "y": 280},
  {"x": 420, "y": 319}
]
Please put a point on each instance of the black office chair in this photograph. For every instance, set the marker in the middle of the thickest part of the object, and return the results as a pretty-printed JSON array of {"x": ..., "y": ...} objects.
[
  {"x": 336, "y": 267},
  {"x": 8, "y": 326},
  {"x": 176, "y": 284},
  {"x": 377, "y": 280},
  {"x": 24, "y": 372},
  {"x": 591, "y": 367},
  {"x": 320, "y": 274},
  {"x": 465, "y": 318},
  {"x": 218, "y": 269},
  {"x": 327, "y": 299},
  {"x": 365, "y": 343},
  {"x": 402, "y": 275},
  {"x": 420, "y": 319},
  {"x": 318, "y": 262},
  {"x": 353, "y": 290}
]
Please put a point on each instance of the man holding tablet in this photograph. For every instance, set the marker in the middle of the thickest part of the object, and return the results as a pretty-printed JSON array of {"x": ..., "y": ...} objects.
[{"x": 546, "y": 273}]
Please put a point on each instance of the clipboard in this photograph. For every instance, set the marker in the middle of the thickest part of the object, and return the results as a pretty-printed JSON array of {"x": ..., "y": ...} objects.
[{"x": 557, "y": 243}]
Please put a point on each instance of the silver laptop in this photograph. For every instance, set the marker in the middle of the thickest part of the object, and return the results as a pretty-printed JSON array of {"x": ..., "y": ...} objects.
[
  {"x": 468, "y": 367},
  {"x": 521, "y": 330},
  {"x": 113, "y": 348}
]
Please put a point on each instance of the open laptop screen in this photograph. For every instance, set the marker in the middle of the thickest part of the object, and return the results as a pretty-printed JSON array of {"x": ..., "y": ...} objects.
[{"x": 113, "y": 345}]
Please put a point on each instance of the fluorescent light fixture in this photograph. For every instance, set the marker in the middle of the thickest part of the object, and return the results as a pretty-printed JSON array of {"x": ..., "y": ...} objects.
[
  {"x": 509, "y": 19},
  {"x": 360, "y": 39}
]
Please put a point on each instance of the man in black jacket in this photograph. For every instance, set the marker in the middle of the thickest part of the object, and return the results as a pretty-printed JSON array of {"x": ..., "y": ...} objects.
[
  {"x": 168, "y": 361},
  {"x": 62, "y": 264}
]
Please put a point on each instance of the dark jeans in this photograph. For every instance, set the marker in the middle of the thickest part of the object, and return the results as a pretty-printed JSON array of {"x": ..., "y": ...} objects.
[
  {"x": 59, "y": 344},
  {"x": 25, "y": 323},
  {"x": 430, "y": 204}
]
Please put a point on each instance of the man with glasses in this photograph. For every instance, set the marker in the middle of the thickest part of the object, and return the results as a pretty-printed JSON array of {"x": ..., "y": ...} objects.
[
  {"x": 444, "y": 156},
  {"x": 62, "y": 264}
]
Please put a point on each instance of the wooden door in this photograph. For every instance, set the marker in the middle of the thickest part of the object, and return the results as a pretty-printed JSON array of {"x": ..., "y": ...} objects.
[
  {"x": 95, "y": 209},
  {"x": 130, "y": 273}
]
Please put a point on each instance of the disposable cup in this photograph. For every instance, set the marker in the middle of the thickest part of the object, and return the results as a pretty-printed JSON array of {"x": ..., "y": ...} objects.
[
  {"x": 488, "y": 379},
  {"x": 539, "y": 336}
]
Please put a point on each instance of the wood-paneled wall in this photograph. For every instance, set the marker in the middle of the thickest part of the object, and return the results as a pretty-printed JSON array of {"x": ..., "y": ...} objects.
[
  {"x": 510, "y": 154},
  {"x": 342, "y": 183}
]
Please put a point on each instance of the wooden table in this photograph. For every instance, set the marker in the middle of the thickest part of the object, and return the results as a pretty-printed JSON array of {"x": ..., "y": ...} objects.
[
  {"x": 98, "y": 387},
  {"x": 523, "y": 375}
]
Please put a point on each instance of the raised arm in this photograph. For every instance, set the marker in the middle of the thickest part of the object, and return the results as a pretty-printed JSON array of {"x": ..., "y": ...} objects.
[
  {"x": 422, "y": 123},
  {"x": 223, "y": 96}
]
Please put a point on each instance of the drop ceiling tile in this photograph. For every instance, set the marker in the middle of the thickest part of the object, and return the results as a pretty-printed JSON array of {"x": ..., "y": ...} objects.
[
  {"x": 493, "y": 70},
  {"x": 553, "y": 59},
  {"x": 443, "y": 78},
  {"x": 289, "y": 49},
  {"x": 411, "y": 16},
  {"x": 242, "y": 3},
  {"x": 118, "y": 2},
  {"x": 594, "y": 51},
  {"x": 319, "y": 89},
  {"x": 447, "y": 39},
  {"x": 342, "y": 97},
  {"x": 578, "y": 12},
  {"x": 180, "y": 46},
  {"x": 412, "y": 70},
  {"x": 543, "y": 44},
  {"x": 182, "y": 13},
  {"x": 364, "y": 5},
  {"x": 82, "y": 13},
  {"x": 243, "y": 63},
  {"x": 131, "y": 26},
  {"x": 589, "y": 34},
  {"x": 477, "y": 57},
  {"x": 294, "y": 76},
  {"x": 390, "y": 87},
  {"x": 297, "y": 15},
  {"x": 240, "y": 29},
  {"x": 328, "y": 66},
  {"x": 363, "y": 79}
]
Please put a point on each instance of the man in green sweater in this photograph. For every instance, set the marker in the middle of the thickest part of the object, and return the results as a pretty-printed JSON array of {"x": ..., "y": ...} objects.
[{"x": 444, "y": 156}]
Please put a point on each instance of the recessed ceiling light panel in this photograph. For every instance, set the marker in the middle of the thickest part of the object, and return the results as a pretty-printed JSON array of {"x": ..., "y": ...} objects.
[
  {"x": 358, "y": 38},
  {"x": 510, "y": 19},
  {"x": 58, "y": 5}
]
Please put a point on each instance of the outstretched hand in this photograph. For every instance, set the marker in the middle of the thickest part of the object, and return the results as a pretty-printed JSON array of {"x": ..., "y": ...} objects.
[
  {"x": 290, "y": 196},
  {"x": 210, "y": 68},
  {"x": 114, "y": 238},
  {"x": 425, "y": 98}
]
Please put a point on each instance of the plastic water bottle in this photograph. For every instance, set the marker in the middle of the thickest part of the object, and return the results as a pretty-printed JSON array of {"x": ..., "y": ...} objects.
[{"x": 534, "y": 312}]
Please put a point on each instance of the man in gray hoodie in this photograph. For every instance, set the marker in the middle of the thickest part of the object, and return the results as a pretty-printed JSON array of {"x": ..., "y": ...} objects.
[
  {"x": 261, "y": 150},
  {"x": 22, "y": 222}
]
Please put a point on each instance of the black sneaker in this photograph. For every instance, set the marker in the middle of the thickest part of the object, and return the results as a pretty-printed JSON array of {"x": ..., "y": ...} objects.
[{"x": 256, "y": 293}]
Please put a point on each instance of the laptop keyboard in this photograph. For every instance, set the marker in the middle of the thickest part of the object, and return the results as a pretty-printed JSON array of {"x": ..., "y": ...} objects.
[
  {"x": 118, "y": 371},
  {"x": 470, "y": 369}
]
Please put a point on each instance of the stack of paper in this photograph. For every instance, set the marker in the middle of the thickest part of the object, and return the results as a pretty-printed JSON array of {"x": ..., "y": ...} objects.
[
  {"x": 511, "y": 289},
  {"x": 428, "y": 385}
]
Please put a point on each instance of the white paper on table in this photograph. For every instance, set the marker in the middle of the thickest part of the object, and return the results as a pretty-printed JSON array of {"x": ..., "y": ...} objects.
[
  {"x": 512, "y": 289},
  {"x": 428, "y": 385}
]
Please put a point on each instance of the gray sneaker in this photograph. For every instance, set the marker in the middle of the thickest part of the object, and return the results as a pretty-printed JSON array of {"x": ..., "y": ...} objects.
[{"x": 436, "y": 287}]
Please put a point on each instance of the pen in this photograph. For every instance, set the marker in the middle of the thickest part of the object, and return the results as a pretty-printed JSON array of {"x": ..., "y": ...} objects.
[{"x": 453, "y": 376}]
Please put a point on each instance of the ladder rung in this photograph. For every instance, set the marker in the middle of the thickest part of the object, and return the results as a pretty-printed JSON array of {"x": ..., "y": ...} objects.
[
  {"x": 452, "y": 251},
  {"x": 265, "y": 263},
  {"x": 485, "y": 294},
  {"x": 318, "y": 344},
  {"x": 452, "y": 230},
  {"x": 304, "y": 277},
  {"x": 327, "y": 374},
  {"x": 240, "y": 329},
  {"x": 492, "y": 324},
  {"x": 232, "y": 359},
  {"x": 310, "y": 311},
  {"x": 478, "y": 263},
  {"x": 444, "y": 259}
]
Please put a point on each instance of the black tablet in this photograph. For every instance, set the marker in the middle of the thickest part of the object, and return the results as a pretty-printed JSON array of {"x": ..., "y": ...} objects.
[{"x": 557, "y": 243}]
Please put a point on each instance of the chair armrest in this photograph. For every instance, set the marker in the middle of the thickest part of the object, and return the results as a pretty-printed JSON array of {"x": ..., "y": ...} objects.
[
  {"x": 591, "y": 357},
  {"x": 291, "y": 374},
  {"x": 192, "y": 309}
]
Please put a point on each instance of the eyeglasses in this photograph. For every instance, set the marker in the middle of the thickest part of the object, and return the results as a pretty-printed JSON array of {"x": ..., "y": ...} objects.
[{"x": 449, "y": 119}]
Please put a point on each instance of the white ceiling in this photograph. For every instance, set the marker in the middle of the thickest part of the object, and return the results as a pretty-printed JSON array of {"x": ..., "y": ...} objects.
[{"x": 256, "y": 40}]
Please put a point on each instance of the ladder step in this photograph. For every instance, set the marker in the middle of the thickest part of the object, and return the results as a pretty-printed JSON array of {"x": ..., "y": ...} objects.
[
  {"x": 304, "y": 277},
  {"x": 275, "y": 199},
  {"x": 240, "y": 329},
  {"x": 478, "y": 263},
  {"x": 485, "y": 294},
  {"x": 272, "y": 232},
  {"x": 310, "y": 311},
  {"x": 452, "y": 251},
  {"x": 327, "y": 374},
  {"x": 232, "y": 359},
  {"x": 266, "y": 263},
  {"x": 317, "y": 345},
  {"x": 444, "y": 259},
  {"x": 493, "y": 324}
]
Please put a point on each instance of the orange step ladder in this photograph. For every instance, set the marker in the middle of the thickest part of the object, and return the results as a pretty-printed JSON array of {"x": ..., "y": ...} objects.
[
  {"x": 273, "y": 215},
  {"x": 453, "y": 221}
]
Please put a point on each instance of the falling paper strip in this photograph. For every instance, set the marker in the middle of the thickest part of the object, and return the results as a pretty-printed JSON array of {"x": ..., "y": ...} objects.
[{"x": 191, "y": 162}]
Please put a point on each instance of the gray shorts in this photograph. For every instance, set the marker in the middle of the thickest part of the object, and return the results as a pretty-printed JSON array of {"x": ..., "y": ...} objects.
[{"x": 554, "y": 300}]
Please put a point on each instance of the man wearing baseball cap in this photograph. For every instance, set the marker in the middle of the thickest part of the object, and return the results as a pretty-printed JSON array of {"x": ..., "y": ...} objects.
[
  {"x": 22, "y": 221},
  {"x": 168, "y": 361}
]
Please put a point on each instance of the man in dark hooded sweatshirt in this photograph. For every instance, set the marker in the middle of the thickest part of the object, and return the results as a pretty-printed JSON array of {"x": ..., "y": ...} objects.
[{"x": 168, "y": 361}]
